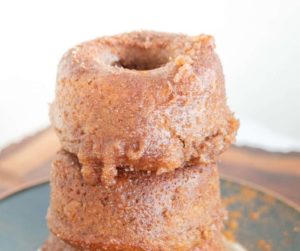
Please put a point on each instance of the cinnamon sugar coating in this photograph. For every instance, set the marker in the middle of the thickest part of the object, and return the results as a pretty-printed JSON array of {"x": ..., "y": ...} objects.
[
  {"x": 145, "y": 100},
  {"x": 54, "y": 243},
  {"x": 178, "y": 210}
]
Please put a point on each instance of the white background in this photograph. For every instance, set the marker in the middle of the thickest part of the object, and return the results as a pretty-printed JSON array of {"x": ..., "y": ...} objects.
[{"x": 258, "y": 42}]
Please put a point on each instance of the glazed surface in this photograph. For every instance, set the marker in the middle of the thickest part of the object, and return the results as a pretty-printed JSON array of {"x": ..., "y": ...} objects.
[{"x": 144, "y": 100}]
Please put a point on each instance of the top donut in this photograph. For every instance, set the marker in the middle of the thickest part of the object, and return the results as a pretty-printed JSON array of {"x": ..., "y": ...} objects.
[{"x": 142, "y": 100}]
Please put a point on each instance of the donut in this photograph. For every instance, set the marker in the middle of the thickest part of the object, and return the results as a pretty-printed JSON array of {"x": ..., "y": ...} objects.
[
  {"x": 55, "y": 243},
  {"x": 147, "y": 101},
  {"x": 178, "y": 210}
]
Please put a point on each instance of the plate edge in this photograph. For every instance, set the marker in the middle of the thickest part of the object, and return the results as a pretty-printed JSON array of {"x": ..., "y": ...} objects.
[
  {"x": 262, "y": 189},
  {"x": 22, "y": 188}
]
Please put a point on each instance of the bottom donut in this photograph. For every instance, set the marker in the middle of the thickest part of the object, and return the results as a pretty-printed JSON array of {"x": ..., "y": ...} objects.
[
  {"x": 178, "y": 211},
  {"x": 56, "y": 244}
]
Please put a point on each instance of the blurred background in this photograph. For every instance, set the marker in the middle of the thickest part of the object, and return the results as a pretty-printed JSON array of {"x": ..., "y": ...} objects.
[{"x": 258, "y": 42}]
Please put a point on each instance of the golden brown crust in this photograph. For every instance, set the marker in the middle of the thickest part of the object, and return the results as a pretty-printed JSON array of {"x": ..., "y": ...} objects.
[
  {"x": 178, "y": 210},
  {"x": 56, "y": 244},
  {"x": 151, "y": 101}
]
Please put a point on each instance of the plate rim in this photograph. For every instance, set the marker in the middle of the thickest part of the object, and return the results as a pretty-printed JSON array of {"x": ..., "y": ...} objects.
[
  {"x": 263, "y": 190},
  {"x": 23, "y": 187},
  {"x": 242, "y": 182}
]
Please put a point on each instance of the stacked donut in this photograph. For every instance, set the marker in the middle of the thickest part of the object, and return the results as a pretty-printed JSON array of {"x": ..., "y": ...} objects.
[{"x": 142, "y": 118}]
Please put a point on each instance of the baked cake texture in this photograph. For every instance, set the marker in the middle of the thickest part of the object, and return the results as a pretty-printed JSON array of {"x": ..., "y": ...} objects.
[{"x": 142, "y": 118}]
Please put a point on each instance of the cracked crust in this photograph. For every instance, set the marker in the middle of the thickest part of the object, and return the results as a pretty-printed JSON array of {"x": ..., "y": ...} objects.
[
  {"x": 178, "y": 210},
  {"x": 144, "y": 100}
]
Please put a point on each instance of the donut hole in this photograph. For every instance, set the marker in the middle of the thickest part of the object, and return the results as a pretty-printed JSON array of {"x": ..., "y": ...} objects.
[{"x": 141, "y": 59}]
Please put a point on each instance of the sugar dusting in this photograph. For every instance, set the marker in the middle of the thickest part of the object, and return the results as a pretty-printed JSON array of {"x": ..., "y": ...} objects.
[{"x": 229, "y": 246}]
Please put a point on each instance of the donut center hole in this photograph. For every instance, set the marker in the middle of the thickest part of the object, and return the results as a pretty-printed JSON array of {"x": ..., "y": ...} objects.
[{"x": 141, "y": 60}]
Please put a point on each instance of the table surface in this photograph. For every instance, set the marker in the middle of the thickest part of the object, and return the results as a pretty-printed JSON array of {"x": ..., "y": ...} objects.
[{"x": 29, "y": 161}]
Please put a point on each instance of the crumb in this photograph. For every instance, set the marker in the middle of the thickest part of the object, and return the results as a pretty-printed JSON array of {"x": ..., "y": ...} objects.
[
  {"x": 254, "y": 215},
  {"x": 233, "y": 224},
  {"x": 296, "y": 229},
  {"x": 248, "y": 194},
  {"x": 229, "y": 235},
  {"x": 264, "y": 245}
]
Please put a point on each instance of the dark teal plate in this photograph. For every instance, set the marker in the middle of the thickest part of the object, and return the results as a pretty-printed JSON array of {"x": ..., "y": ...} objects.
[{"x": 258, "y": 220}]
